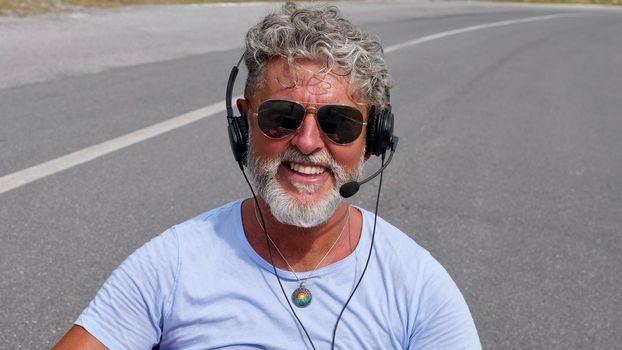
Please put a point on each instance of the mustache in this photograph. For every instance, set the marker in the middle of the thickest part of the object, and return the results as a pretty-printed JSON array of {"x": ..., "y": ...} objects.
[{"x": 319, "y": 157}]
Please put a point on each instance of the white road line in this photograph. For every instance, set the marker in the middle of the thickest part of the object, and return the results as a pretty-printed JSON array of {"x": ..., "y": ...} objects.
[
  {"x": 425, "y": 39},
  {"x": 34, "y": 173},
  {"x": 28, "y": 175}
]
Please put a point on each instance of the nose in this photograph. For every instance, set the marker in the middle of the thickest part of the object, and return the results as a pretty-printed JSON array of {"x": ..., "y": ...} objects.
[{"x": 308, "y": 138}]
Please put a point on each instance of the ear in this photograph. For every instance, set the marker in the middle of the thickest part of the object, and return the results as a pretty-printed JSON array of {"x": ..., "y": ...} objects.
[
  {"x": 242, "y": 106},
  {"x": 367, "y": 155}
]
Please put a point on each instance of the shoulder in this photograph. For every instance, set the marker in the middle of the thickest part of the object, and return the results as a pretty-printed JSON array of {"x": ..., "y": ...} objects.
[
  {"x": 211, "y": 220},
  {"x": 210, "y": 227},
  {"x": 439, "y": 317},
  {"x": 199, "y": 230},
  {"x": 398, "y": 256},
  {"x": 140, "y": 293},
  {"x": 160, "y": 260},
  {"x": 391, "y": 241}
]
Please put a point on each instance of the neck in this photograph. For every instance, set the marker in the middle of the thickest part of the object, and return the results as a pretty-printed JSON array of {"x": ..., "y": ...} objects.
[{"x": 303, "y": 248}]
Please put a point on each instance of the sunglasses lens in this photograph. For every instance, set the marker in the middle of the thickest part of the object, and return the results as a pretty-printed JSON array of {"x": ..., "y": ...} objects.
[
  {"x": 342, "y": 124},
  {"x": 278, "y": 118}
]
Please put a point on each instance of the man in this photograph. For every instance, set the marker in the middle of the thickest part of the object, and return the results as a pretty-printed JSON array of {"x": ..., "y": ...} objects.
[{"x": 285, "y": 271}]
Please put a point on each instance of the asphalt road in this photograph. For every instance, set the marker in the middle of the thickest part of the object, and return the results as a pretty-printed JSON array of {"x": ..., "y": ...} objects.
[{"x": 509, "y": 168}]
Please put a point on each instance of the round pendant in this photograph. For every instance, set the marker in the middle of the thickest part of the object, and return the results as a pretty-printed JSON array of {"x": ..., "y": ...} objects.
[{"x": 301, "y": 297}]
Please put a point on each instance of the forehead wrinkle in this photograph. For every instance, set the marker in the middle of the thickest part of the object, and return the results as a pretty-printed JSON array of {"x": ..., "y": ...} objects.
[
  {"x": 337, "y": 94},
  {"x": 301, "y": 73}
]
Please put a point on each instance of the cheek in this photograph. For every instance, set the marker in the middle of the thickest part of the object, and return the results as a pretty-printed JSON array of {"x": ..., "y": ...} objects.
[
  {"x": 348, "y": 156},
  {"x": 263, "y": 146}
]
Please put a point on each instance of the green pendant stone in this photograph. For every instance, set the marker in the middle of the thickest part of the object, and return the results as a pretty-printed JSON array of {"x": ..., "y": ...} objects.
[{"x": 302, "y": 297}]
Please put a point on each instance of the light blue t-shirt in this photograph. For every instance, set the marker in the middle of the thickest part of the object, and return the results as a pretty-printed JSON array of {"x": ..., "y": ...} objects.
[{"x": 200, "y": 285}]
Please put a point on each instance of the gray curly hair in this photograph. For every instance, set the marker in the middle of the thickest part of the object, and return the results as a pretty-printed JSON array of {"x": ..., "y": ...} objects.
[{"x": 320, "y": 33}]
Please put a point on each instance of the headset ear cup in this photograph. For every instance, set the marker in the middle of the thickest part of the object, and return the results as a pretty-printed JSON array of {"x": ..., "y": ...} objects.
[
  {"x": 370, "y": 144},
  {"x": 244, "y": 129},
  {"x": 380, "y": 132},
  {"x": 238, "y": 138},
  {"x": 385, "y": 130},
  {"x": 243, "y": 126}
]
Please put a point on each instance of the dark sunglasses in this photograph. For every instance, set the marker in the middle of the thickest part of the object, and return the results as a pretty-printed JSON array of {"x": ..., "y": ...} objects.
[{"x": 279, "y": 118}]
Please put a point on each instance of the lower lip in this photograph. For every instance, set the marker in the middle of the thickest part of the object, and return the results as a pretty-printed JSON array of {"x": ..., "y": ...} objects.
[{"x": 303, "y": 178}]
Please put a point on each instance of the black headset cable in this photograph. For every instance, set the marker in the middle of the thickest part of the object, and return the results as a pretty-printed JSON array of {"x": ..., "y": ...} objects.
[
  {"x": 278, "y": 278},
  {"x": 371, "y": 248}
]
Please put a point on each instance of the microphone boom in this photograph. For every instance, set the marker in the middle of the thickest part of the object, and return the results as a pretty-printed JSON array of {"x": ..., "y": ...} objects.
[{"x": 349, "y": 189}]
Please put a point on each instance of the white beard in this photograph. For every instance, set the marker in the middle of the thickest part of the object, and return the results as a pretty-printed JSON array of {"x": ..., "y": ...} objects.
[{"x": 284, "y": 207}]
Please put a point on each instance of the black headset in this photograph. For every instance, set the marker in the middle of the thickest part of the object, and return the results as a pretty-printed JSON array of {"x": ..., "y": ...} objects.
[{"x": 379, "y": 136}]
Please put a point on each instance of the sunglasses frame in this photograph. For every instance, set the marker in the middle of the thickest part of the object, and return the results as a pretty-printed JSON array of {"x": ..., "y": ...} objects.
[{"x": 306, "y": 107}]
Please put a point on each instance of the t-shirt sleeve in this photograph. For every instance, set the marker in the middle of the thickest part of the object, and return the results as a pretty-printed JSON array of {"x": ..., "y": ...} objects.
[
  {"x": 443, "y": 318},
  {"x": 128, "y": 310}
]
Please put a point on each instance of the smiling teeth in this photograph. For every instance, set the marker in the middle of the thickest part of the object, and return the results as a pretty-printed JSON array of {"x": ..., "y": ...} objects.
[{"x": 305, "y": 169}]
